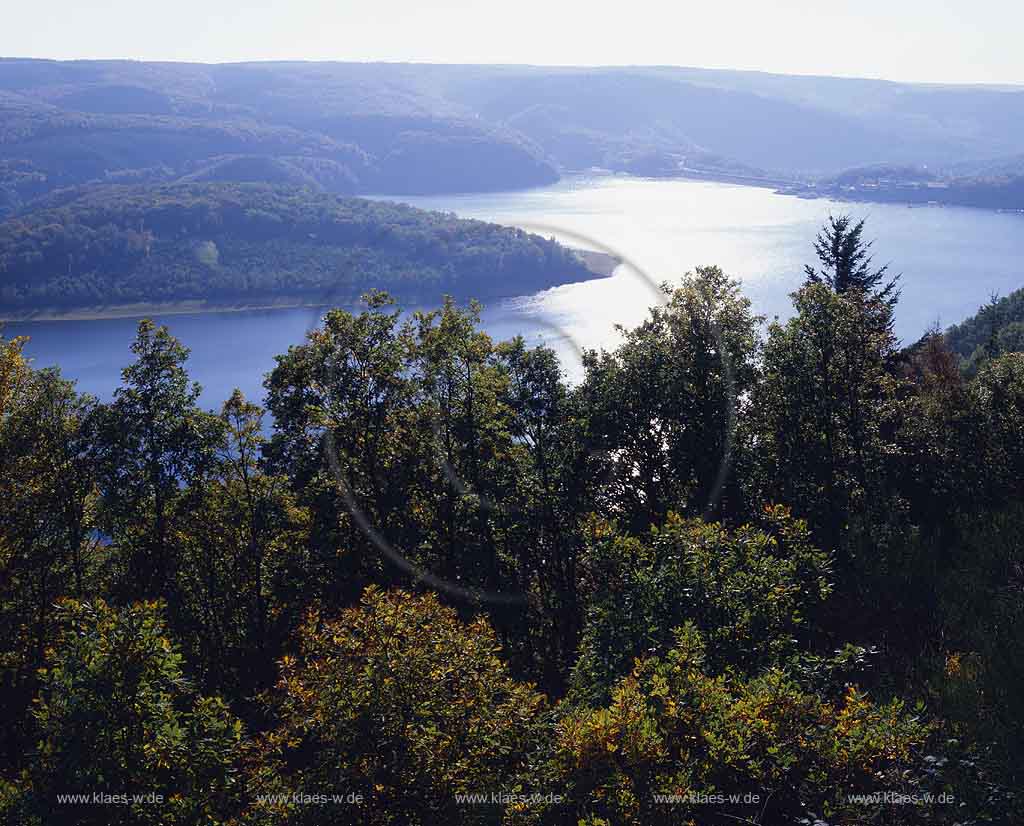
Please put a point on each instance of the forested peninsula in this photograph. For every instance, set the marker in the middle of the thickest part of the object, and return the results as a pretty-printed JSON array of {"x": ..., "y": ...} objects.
[{"x": 198, "y": 246}]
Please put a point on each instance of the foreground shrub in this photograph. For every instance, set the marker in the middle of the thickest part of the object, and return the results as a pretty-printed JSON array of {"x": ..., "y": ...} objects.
[
  {"x": 399, "y": 707},
  {"x": 677, "y": 745},
  {"x": 116, "y": 718}
]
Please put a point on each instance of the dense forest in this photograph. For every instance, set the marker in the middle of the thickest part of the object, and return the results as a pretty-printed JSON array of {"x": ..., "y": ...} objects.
[
  {"x": 252, "y": 243},
  {"x": 998, "y": 327},
  {"x": 738, "y": 573},
  {"x": 352, "y": 128}
]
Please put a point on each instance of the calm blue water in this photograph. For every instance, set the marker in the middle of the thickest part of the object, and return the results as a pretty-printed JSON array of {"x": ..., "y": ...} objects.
[
  {"x": 952, "y": 260},
  {"x": 229, "y": 350}
]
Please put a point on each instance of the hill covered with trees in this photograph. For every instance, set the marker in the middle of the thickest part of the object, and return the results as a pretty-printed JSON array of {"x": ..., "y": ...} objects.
[
  {"x": 738, "y": 573},
  {"x": 411, "y": 129},
  {"x": 229, "y": 243},
  {"x": 996, "y": 328}
]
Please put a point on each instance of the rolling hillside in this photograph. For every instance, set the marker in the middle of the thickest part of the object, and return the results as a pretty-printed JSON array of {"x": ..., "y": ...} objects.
[
  {"x": 254, "y": 244},
  {"x": 412, "y": 129}
]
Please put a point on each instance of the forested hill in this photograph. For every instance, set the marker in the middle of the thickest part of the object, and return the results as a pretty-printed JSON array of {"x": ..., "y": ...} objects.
[
  {"x": 252, "y": 244},
  {"x": 998, "y": 327},
  {"x": 354, "y": 128}
]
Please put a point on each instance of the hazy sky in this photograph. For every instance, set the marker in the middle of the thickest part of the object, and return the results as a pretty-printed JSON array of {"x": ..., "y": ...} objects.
[{"x": 924, "y": 40}]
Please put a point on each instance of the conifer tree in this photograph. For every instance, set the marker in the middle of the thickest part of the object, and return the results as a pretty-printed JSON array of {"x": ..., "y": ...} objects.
[{"x": 846, "y": 262}]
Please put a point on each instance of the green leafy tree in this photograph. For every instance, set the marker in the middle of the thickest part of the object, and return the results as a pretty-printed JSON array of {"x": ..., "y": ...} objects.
[
  {"x": 147, "y": 446},
  {"x": 661, "y": 407},
  {"x": 552, "y": 487},
  {"x": 243, "y": 561},
  {"x": 463, "y": 420},
  {"x": 399, "y": 702},
  {"x": 998, "y": 391},
  {"x": 822, "y": 422},
  {"x": 677, "y": 739},
  {"x": 340, "y": 404},
  {"x": 752, "y": 592},
  {"x": 427, "y": 453},
  {"x": 47, "y": 548},
  {"x": 116, "y": 716}
]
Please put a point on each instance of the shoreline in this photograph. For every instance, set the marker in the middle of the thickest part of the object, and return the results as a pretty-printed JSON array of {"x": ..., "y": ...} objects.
[
  {"x": 805, "y": 192},
  {"x": 599, "y": 264}
]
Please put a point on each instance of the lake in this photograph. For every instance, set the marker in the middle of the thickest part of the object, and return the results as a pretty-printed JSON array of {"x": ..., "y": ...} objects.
[{"x": 952, "y": 260}]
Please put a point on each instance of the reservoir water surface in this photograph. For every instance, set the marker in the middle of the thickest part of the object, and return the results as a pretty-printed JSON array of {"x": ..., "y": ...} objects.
[{"x": 952, "y": 260}]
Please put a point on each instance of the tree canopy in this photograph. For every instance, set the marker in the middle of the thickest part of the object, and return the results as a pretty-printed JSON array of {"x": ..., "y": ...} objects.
[{"x": 736, "y": 573}]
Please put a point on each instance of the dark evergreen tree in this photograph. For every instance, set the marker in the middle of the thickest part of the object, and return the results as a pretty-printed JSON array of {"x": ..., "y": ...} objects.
[{"x": 846, "y": 262}]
